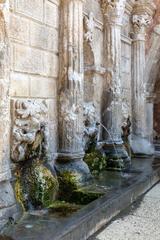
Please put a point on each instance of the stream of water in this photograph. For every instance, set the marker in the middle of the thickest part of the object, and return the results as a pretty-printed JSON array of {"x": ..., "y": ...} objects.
[{"x": 110, "y": 138}]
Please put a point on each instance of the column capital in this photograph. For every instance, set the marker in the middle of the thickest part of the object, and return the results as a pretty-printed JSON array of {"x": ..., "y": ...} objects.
[
  {"x": 142, "y": 17},
  {"x": 113, "y": 10},
  {"x": 140, "y": 23}
]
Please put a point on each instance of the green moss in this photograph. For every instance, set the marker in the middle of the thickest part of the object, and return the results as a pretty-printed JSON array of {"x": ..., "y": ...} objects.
[
  {"x": 84, "y": 196},
  {"x": 19, "y": 190},
  {"x": 116, "y": 164},
  {"x": 96, "y": 161},
  {"x": 72, "y": 193},
  {"x": 63, "y": 208},
  {"x": 67, "y": 184},
  {"x": 38, "y": 186}
]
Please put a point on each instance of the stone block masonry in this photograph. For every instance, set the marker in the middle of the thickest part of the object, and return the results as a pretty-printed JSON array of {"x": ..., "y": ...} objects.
[{"x": 34, "y": 27}]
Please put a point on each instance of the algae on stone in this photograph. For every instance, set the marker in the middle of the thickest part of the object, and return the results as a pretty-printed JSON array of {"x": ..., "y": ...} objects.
[
  {"x": 39, "y": 186},
  {"x": 64, "y": 208},
  {"x": 96, "y": 161},
  {"x": 67, "y": 184},
  {"x": 85, "y": 196}
]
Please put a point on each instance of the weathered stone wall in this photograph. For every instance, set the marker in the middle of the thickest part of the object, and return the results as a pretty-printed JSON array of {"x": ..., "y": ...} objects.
[
  {"x": 126, "y": 46},
  {"x": 100, "y": 69},
  {"x": 93, "y": 54},
  {"x": 8, "y": 207},
  {"x": 34, "y": 55},
  {"x": 126, "y": 77}
]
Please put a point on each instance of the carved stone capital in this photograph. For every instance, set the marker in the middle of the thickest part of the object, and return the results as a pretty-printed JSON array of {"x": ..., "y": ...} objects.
[
  {"x": 113, "y": 10},
  {"x": 140, "y": 22}
]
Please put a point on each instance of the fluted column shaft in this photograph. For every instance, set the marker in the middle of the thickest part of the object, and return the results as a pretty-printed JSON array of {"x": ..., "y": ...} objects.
[
  {"x": 71, "y": 87},
  {"x": 71, "y": 78},
  {"x": 140, "y": 143},
  {"x": 112, "y": 144},
  {"x": 140, "y": 23},
  {"x": 112, "y": 112},
  {"x": 112, "y": 102}
]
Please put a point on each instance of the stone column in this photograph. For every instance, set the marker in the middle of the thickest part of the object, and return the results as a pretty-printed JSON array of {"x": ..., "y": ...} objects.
[
  {"x": 140, "y": 145},
  {"x": 71, "y": 82},
  {"x": 112, "y": 102},
  {"x": 7, "y": 200},
  {"x": 149, "y": 118}
]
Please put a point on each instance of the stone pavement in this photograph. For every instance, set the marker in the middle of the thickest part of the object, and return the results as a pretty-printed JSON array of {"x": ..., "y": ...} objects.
[{"x": 140, "y": 221}]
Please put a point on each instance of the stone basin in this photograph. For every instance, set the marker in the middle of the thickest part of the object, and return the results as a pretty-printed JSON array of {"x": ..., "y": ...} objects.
[{"x": 119, "y": 190}]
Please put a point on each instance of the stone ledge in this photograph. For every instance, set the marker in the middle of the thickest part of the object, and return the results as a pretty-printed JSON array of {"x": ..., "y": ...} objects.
[
  {"x": 103, "y": 210},
  {"x": 94, "y": 216}
]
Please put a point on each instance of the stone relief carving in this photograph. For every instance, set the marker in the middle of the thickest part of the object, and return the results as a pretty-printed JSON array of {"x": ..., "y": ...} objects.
[
  {"x": 36, "y": 184},
  {"x": 69, "y": 117},
  {"x": 89, "y": 26},
  {"x": 113, "y": 8},
  {"x": 108, "y": 5},
  {"x": 30, "y": 122},
  {"x": 91, "y": 125},
  {"x": 140, "y": 22}
]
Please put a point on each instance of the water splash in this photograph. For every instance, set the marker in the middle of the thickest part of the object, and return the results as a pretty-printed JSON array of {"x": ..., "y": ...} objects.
[{"x": 118, "y": 157}]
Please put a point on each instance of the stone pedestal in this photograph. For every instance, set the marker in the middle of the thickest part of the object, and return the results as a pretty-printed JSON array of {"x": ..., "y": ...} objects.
[
  {"x": 112, "y": 102},
  {"x": 140, "y": 143},
  {"x": 71, "y": 83}
]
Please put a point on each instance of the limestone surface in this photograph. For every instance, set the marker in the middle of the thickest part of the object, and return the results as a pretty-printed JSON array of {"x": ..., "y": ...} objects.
[{"x": 140, "y": 222}]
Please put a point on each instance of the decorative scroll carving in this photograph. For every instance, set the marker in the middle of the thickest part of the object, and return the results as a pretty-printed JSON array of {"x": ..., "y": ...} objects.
[
  {"x": 140, "y": 22},
  {"x": 30, "y": 129},
  {"x": 113, "y": 9},
  {"x": 89, "y": 26}
]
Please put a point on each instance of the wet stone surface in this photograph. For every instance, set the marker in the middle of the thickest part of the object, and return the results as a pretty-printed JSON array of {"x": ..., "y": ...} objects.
[{"x": 33, "y": 225}]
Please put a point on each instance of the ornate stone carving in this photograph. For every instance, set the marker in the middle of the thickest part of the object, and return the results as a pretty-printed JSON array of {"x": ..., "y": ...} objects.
[
  {"x": 113, "y": 9},
  {"x": 69, "y": 117},
  {"x": 140, "y": 22},
  {"x": 36, "y": 186},
  {"x": 89, "y": 26},
  {"x": 91, "y": 125},
  {"x": 71, "y": 80},
  {"x": 108, "y": 5},
  {"x": 30, "y": 122}
]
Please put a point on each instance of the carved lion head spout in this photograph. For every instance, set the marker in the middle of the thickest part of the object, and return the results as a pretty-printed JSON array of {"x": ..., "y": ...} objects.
[
  {"x": 36, "y": 187},
  {"x": 30, "y": 132},
  {"x": 91, "y": 126}
]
